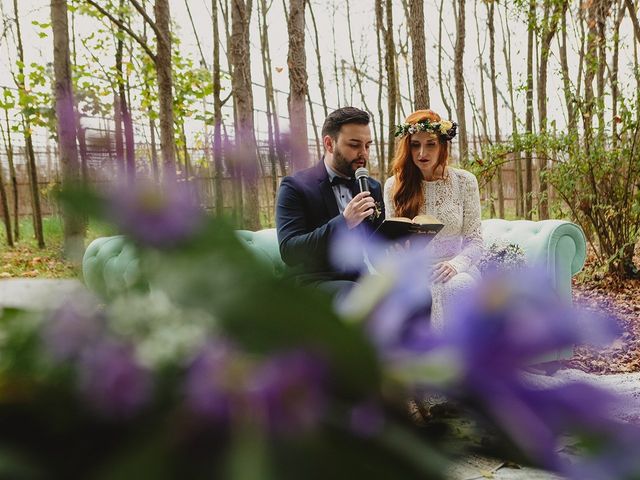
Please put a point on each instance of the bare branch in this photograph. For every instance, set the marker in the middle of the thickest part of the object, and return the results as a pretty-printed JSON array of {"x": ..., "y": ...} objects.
[
  {"x": 146, "y": 17},
  {"x": 124, "y": 27}
]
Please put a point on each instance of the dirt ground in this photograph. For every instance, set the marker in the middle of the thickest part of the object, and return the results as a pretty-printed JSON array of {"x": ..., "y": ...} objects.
[{"x": 622, "y": 300}]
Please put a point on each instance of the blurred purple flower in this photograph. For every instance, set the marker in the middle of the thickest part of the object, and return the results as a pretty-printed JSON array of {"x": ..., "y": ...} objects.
[
  {"x": 288, "y": 392},
  {"x": 159, "y": 216},
  {"x": 400, "y": 313},
  {"x": 507, "y": 323},
  {"x": 213, "y": 381},
  {"x": 113, "y": 380},
  {"x": 366, "y": 419},
  {"x": 70, "y": 329}
]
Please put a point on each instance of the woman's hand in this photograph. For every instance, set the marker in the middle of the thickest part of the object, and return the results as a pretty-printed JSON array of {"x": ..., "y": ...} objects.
[{"x": 443, "y": 272}]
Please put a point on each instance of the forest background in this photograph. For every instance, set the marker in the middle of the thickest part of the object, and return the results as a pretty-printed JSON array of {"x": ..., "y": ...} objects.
[{"x": 230, "y": 95}]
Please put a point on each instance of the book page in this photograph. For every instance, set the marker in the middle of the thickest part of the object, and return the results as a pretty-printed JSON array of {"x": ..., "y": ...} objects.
[
  {"x": 425, "y": 220},
  {"x": 400, "y": 219}
]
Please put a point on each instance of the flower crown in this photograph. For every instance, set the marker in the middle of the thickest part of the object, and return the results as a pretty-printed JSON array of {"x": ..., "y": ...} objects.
[{"x": 444, "y": 128}]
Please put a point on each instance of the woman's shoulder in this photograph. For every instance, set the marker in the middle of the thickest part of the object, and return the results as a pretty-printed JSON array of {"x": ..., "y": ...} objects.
[
  {"x": 389, "y": 182},
  {"x": 465, "y": 175}
]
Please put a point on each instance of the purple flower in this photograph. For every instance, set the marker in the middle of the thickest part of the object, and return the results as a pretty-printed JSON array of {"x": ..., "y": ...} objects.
[
  {"x": 288, "y": 393},
  {"x": 506, "y": 324},
  {"x": 70, "y": 329},
  {"x": 396, "y": 299},
  {"x": 214, "y": 381},
  {"x": 161, "y": 217},
  {"x": 113, "y": 380}
]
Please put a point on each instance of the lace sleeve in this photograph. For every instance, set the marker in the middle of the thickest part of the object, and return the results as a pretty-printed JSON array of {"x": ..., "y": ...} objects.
[
  {"x": 472, "y": 244},
  {"x": 389, "y": 207}
]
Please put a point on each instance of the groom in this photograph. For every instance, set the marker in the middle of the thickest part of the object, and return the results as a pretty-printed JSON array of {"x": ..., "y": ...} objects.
[{"x": 315, "y": 203}]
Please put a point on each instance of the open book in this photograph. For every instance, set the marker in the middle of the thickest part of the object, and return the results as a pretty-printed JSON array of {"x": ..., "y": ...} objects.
[{"x": 398, "y": 227}]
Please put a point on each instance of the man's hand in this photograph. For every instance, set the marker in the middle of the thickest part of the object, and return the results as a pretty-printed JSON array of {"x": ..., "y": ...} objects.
[
  {"x": 442, "y": 272},
  {"x": 359, "y": 208}
]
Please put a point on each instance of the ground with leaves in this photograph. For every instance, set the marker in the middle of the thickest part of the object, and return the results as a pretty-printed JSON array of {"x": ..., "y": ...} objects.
[{"x": 622, "y": 300}]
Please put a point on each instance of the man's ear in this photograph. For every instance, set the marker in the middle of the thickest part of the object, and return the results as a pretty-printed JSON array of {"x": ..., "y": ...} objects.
[{"x": 327, "y": 141}]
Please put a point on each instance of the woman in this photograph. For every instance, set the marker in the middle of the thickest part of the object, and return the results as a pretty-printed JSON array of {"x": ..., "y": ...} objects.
[{"x": 423, "y": 183}]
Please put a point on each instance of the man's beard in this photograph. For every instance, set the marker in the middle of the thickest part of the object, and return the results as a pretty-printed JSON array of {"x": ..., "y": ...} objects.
[{"x": 344, "y": 166}]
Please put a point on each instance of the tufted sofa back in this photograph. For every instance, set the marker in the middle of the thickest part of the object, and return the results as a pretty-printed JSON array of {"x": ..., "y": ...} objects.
[{"x": 110, "y": 264}]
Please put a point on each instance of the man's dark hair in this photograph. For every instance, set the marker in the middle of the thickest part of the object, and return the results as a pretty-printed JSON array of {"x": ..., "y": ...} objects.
[{"x": 342, "y": 116}]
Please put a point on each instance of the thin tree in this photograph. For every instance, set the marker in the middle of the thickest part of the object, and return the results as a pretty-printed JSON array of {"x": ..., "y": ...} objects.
[
  {"x": 32, "y": 169},
  {"x": 551, "y": 17},
  {"x": 162, "y": 61},
  {"x": 494, "y": 95},
  {"x": 243, "y": 102},
  {"x": 74, "y": 225},
  {"x": 529, "y": 114},
  {"x": 517, "y": 157},
  {"x": 380, "y": 149},
  {"x": 458, "y": 72},
  {"x": 8, "y": 145},
  {"x": 440, "y": 79},
  {"x": 297, "y": 62},
  {"x": 358, "y": 75},
  {"x": 4, "y": 205},
  {"x": 418, "y": 54},
  {"x": 125, "y": 114},
  {"x": 564, "y": 63},
  {"x": 390, "y": 64},
  {"x": 316, "y": 47},
  {"x": 273, "y": 122}
]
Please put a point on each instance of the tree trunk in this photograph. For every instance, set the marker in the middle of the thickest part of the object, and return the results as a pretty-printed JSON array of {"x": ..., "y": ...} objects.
[
  {"x": 217, "y": 114},
  {"x": 4, "y": 206},
  {"x": 418, "y": 54},
  {"x": 458, "y": 69},
  {"x": 297, "y": 62},
  {"x": 165, "y": 89},
  {"x": 549, "y": 27},
  {"x": 384, "y": 161},
  {"x": 494, "y": 94},
  {"x": 529, "y": 115},
  {"x": 615, "y": 87},
  {"x": 566, "y": 82},
  {"x": 440, "y": 80},
  {"x": 358, "y": 76},
  {"x": 243, "y": 99},
  {"x": 32, "y": 168},
  {"x": 13, "y": 177},
  {"x": 390, "y": 54},
  {"x": 74, "y": 226},
  {"x": 272, "y": 110}
]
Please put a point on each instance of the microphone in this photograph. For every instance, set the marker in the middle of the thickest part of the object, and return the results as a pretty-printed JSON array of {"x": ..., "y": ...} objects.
[{"x": 362, "y": 177}]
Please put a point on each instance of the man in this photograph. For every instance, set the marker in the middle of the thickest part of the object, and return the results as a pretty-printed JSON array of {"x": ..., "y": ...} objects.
[{"x": 315, "y": 203}]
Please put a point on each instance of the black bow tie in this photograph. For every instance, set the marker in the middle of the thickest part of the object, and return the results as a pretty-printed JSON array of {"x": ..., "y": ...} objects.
[{"x": 348, "y": 182}]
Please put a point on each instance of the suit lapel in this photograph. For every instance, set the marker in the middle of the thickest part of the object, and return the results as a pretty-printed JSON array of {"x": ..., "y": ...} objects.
[{"x": 326, "y": 191}]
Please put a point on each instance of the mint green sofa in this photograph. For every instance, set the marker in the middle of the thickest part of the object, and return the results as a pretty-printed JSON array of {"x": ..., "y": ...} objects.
[{"x": 110, "y": 264}]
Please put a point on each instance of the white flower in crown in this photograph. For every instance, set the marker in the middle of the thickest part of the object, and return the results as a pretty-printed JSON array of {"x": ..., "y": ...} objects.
[
  {"x": 445, "y": 126},
  {"x": 412, "y": 129}
]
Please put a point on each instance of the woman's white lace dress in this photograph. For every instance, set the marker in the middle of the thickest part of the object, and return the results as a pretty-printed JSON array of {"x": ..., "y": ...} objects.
[{"x": 455, "y": 201}]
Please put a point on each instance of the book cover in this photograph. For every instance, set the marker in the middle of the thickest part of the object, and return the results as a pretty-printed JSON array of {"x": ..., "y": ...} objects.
[{"x": 400, "y": 227}]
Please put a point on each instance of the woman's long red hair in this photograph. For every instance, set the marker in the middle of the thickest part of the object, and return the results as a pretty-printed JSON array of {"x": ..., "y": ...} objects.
[{"x": 407, "y": 191}]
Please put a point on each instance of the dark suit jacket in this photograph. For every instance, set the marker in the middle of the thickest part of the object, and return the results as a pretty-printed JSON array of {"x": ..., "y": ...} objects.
[{"x": 307, "y": 217}]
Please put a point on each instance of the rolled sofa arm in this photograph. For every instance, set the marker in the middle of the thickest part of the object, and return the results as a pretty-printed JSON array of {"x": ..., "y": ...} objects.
[
  {"x": 111, "y": 265},
  {"x": 556, "y": 245}
]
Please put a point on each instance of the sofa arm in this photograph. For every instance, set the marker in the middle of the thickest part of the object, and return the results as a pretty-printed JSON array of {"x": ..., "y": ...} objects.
[
  {"x": 264, "y": 245},
  {"x": 111, "y": 265},
  {"x": 556, "y": 245}
]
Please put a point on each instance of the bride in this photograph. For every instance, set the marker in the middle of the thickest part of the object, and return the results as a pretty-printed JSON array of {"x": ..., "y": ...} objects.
[{"x": 423, "y": 183}]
